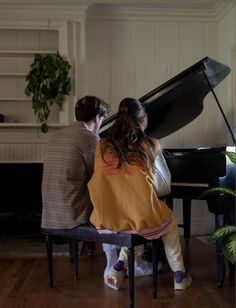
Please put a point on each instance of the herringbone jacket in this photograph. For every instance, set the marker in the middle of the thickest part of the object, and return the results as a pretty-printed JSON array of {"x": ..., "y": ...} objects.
[{"x": 68, "y": 166}]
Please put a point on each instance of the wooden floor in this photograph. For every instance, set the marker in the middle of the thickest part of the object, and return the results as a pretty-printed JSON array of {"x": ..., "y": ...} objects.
[{"x": 23, "y": 284}]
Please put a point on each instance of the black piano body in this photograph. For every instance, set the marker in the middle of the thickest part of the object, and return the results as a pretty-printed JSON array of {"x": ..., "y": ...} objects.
[
  {"x": 195, "y": 170},
  {"x": 170, "y": 107}
]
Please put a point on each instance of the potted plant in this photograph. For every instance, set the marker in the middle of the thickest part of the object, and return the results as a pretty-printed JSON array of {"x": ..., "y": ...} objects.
[
  {"x": 226, "y": 233},
  {"x": 48, "y": 83}
]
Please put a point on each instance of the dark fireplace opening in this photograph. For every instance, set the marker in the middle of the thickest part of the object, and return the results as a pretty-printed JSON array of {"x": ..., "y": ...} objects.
[{"x": 21, "y": 201}]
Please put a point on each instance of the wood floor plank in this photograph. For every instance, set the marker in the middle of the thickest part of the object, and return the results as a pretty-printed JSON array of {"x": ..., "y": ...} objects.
[{"x": 23, "y": 284}]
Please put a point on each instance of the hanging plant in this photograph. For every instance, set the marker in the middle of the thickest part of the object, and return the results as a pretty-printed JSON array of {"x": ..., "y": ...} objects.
[{"x": 48, "y": 83}]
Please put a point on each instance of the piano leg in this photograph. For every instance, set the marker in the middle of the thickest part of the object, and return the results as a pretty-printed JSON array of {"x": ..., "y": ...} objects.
[
  {"x": 187, "y": 218},
  {"x": 220, "y": 260}
]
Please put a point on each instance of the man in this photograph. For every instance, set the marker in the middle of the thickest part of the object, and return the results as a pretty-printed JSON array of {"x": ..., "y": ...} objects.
[{"x": 68, "y": 166}]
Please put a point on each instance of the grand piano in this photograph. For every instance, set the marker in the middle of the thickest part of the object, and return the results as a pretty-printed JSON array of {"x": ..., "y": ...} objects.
[{"x": 170, "y": 107}]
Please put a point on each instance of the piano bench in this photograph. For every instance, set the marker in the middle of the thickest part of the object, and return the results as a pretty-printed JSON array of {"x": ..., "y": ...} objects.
[{"x": 90, "y": 234}]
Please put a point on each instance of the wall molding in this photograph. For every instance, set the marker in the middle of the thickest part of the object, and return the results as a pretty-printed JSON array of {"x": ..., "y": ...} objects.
[
  {"x": 119, "y": 12},
  {"x": 221, "y": 9},
  {"x": 32, "y": 12},
  {"x": 115, "y": 11}
]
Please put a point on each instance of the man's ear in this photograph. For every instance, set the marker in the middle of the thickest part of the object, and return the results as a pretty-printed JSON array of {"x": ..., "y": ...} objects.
[
  {"x": 96, "y": 119},
  {"x": 143, "y": 122}
]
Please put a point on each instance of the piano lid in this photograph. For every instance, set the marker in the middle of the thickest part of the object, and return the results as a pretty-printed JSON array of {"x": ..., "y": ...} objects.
[{"x": 179, "y": 100}]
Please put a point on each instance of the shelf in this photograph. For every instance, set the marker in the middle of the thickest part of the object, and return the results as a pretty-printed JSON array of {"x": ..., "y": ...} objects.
[
  {"x": 25, "y": 52},
  {"x": 12, "y": 75},
  {"x": 57, "y": 125},
  {"x": 15, "y": 99}
]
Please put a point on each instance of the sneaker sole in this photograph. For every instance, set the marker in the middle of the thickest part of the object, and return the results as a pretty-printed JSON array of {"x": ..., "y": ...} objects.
[
  {"x": 180, "y": 287},
  {"x": 110, "y": 285}
]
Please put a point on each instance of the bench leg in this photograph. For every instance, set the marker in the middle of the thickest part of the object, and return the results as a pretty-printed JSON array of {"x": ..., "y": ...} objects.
[
  {"x": 71, "y": 250},
  {"x": 187, "y": 218},
  {"x": 131, "y": 276},
  {"x": 50, "y": 261},
  {"x": 155, "y": 265},
  {"x": 75, "y": 258},
  {"x": 91, "y": 247}
]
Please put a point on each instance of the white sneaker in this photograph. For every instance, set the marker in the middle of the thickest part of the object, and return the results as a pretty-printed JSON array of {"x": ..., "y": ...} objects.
[
  {"x": 114, "y": 278},
  {"x": 144, "y": 268},
  {"x": 182, "y": 280}
]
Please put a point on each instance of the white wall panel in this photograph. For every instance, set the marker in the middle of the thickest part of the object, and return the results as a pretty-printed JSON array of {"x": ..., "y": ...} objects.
[
  {"x": 211, "y": 110},
  {"x": 145, "y": 57},
  {"x": 9, "y": 40},
  {"x": 28, "y": 40},
  {"x": 21, "y": 152},
  {"x": 192, "y": 51},
  {"x": 227, "y": 42},
  {"x": 122, "y": 62},
  {"x": 192, "y": 42},
  {"x": 48, "y": 40},
  {"x": 169, "y": 66},
  {"x": 98, "y": 59},
  {"x": 169, "y": 49}
]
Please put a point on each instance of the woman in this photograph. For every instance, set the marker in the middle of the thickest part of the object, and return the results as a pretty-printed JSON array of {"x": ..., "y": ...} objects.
[{"x": 124, "y": 191}]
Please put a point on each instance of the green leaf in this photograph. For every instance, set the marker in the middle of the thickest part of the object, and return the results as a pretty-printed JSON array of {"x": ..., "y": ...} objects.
[
  {"x": 219, "y": 191},
  {"x": 231, "y": 156},
  {"x": 27, "y": 91},
  {"x": 44, "y": 128},
  {"x": 229, "y": 248},
  {"x": 221, "y": 233}
]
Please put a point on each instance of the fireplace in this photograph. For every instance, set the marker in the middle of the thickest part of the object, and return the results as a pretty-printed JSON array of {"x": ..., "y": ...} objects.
[{"x": 21, "y": 202}]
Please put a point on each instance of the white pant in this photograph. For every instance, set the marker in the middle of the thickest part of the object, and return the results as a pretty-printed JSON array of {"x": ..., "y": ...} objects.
[
  {"x": 138, "y": 249},
  {"x": 172, "y": 247},
  {"x": 107, "y": 247}
]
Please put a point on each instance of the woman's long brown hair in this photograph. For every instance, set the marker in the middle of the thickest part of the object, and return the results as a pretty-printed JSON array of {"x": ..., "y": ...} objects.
[{"x": 126, "y": 140}]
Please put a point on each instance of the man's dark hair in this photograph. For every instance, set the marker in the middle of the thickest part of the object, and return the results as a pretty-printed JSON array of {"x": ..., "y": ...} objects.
[{"x": 88, "y": 107}]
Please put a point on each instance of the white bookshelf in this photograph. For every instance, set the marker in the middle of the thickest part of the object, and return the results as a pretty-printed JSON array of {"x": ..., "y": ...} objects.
[{"x": 17, "y": 50}]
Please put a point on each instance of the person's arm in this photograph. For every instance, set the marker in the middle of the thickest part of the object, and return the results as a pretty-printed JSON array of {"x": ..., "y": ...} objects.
[
  {"x": 162, "y": 176},
  {"x": 90, "y": 155}
]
